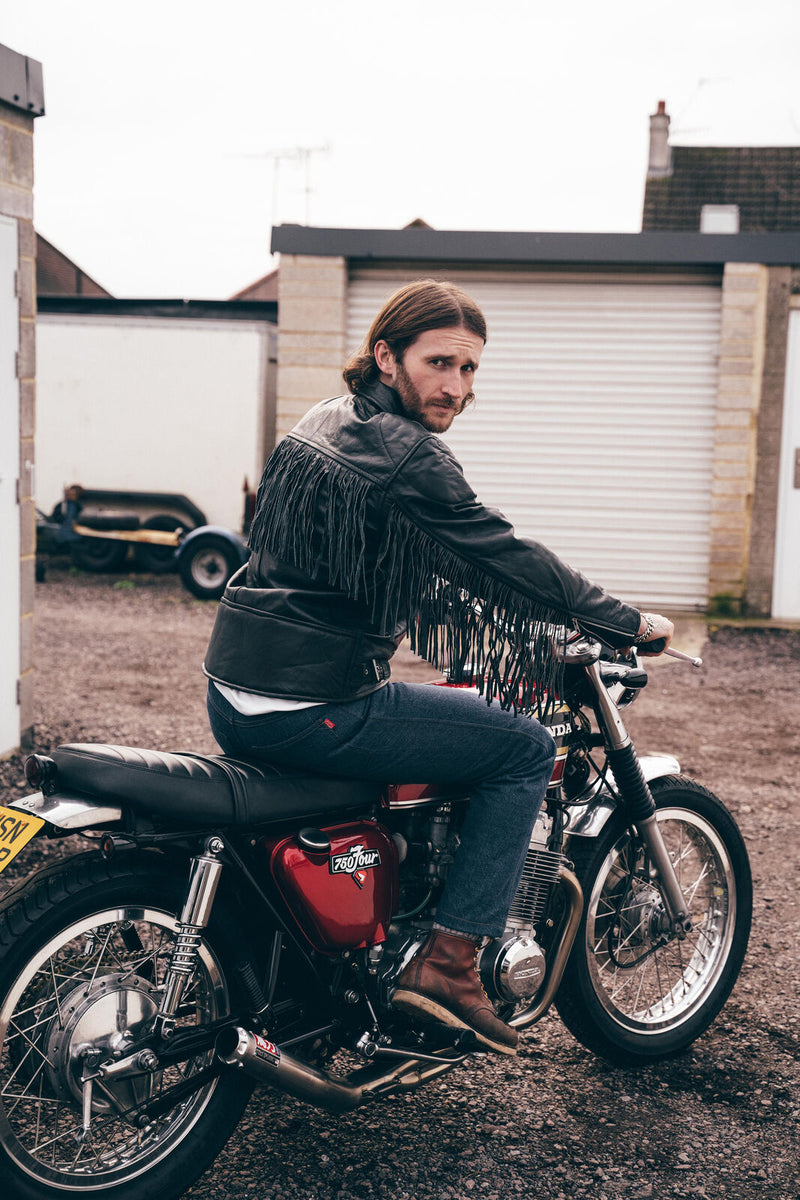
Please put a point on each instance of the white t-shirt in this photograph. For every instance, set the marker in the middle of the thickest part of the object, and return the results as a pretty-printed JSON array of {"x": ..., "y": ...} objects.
[{"x": 251, "y": 705}]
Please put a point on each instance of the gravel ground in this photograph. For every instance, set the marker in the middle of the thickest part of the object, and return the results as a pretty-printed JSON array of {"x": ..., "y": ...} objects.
[{"x": 118, "y": 660}]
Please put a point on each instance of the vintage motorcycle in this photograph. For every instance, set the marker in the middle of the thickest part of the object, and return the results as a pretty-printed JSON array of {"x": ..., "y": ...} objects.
[{"x": 239, "y": 924}]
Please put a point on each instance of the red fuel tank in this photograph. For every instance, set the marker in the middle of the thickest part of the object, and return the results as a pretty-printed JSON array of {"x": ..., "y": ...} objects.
[{"x": 343, "y": 899}]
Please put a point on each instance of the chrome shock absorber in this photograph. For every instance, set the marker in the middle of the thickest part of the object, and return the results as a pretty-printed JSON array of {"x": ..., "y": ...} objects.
[{"x": 203, "y": 881}]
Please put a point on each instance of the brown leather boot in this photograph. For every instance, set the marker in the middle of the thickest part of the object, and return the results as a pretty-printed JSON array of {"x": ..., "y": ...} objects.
[{"x": 442, "y": 983}]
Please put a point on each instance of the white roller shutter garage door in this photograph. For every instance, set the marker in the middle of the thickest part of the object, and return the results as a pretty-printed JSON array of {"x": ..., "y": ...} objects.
[{"x": 593, "y": 428}]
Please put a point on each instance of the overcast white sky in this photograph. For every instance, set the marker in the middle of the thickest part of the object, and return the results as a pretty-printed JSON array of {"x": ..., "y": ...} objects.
[{"x": 152, "y": 167}]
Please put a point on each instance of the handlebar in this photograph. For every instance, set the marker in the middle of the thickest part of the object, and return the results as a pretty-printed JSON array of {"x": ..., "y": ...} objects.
[
  {"x": 584, "y": 649},
  {"x": 649, "y": 649}
]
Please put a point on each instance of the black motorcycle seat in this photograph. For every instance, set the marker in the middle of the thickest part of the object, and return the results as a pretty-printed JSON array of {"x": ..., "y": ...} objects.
[{"x": 205, "y": 789}]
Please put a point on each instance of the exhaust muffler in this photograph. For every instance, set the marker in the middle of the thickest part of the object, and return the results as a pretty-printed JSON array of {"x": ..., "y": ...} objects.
[{"x": 267, "y": 1064}]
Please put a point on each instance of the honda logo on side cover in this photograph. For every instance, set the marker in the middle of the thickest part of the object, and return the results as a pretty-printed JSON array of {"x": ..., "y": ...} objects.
[{"x": 355, "y": 862}]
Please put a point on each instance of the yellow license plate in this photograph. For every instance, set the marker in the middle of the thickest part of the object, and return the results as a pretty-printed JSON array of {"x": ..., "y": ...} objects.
[{"x": 16, "y": 830}]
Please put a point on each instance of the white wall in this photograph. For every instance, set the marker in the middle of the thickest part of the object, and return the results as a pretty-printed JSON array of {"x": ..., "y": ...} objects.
[{"x": 151, "y": 404}]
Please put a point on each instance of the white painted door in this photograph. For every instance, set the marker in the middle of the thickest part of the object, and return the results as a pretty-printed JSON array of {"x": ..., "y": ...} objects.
[
  {"x": 786, "y": 583},
  {"x": 9, "y": 510}
]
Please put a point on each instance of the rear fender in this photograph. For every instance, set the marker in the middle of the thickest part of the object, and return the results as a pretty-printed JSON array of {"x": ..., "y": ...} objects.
[{"x": 69, "y": 811}]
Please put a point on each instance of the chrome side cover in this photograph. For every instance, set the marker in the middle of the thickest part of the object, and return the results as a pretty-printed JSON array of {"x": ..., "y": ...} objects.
[
  {"x": 589, "y": 819},
  {"x": 67, "y": 811}
]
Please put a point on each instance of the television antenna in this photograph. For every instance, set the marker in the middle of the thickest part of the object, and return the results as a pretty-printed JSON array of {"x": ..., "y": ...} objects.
[{"x": 290, "y": 154}]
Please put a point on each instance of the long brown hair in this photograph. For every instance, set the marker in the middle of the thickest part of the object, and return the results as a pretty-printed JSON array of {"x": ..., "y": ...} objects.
[{"x": 410, "y": 311}]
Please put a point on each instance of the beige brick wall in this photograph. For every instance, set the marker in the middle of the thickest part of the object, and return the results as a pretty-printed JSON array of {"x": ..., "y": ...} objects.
[
  {"x": 16, "y": 200},
  {"x": 312, "y": 315},
  {"x": 761, "y": 564},
  {"x": 741, "y": 365}
]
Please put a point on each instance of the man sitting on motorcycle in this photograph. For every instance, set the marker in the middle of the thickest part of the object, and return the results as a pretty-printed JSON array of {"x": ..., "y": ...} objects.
[{"x": 365, "y": 529}]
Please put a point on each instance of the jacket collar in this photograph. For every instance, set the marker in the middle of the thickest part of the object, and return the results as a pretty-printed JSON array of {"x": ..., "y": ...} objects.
[{"x": 377, "y": 397}]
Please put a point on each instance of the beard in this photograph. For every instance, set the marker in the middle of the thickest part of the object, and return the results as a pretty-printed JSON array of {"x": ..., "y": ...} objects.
[{"x": 435, "y": 419}]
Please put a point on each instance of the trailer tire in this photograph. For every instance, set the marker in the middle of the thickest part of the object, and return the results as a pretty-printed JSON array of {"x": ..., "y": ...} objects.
[
  {"x": 99, "y": 554},
  {"x": 207, "y": 565},
  {"x": 158, "y": 560}
]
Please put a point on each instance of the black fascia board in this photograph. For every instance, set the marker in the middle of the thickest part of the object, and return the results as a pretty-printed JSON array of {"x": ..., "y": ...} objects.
[
  {"x": 209, "y": 310},
  {"x": 475, "y": 246}
]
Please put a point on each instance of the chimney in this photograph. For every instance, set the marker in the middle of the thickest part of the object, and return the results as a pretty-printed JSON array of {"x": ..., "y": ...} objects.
[{"x": 660, "y": 161}]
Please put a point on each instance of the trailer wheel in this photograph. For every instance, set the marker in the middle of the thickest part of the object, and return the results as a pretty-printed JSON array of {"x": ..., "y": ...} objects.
[
  {"x": 157, "y": 559},
  {"x": 206, "y": 566},
  {"x": 99, "y": 554}
]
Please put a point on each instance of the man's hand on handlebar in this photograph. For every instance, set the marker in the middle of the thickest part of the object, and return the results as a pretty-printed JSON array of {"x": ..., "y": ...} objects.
[{"x": 656, "y": 632}]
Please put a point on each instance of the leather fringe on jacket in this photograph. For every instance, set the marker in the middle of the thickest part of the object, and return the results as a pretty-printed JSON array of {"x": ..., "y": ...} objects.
[{"x": 363, "y": 505}]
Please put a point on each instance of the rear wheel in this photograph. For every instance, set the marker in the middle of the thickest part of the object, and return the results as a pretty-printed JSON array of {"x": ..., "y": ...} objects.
[
  {"x": 83, "y": 951},
  {"x": 631, "y": 991}
]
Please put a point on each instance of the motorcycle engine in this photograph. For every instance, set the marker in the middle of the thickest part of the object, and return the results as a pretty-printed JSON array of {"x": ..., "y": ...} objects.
[{"x": 512, "y": 967}]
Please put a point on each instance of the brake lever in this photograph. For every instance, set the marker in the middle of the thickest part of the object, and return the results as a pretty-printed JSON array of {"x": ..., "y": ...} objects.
[
  {"x": 656, "y": 647},
  {"x": 696, "y": 662}
]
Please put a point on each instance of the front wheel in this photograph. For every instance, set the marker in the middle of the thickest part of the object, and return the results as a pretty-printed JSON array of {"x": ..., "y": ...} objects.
[
  {"x": 83, "y": 951},
  {"x": 632, "y": 992}
]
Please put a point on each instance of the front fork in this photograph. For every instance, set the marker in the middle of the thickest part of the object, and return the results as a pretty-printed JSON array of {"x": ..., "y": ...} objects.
[
  {"x": 639, "y": 803},
  {"x": 203, "y": 881}
]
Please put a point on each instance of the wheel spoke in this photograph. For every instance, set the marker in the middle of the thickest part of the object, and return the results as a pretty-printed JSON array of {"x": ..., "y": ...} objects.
[
  {"x": 100, "y": 957},
  {"x": 37, "y": 1074},
  {"x": 95, "y": 984},
  {"x": 692, "y": 892},
  {"x": 55, "y": 992},
  {"x": 643, "y": 978}
]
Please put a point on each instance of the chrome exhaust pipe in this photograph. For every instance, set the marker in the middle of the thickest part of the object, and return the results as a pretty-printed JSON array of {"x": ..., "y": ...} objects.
[
  {"x": 571, "y": 920},
  {"x": 263, "y": 1061},
  {"x": 267, "y": 1064}
]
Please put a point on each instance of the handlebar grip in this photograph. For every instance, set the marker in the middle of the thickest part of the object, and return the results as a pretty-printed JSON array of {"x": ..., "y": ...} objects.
[{"x": 657, "y": 646}]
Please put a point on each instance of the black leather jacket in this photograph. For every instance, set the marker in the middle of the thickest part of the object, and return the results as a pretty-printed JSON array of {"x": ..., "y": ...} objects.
[{"x": 366, "y": 527}]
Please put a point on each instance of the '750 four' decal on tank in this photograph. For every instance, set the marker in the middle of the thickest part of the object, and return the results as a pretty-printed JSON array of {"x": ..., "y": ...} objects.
[{"x": 355, "y": 862}]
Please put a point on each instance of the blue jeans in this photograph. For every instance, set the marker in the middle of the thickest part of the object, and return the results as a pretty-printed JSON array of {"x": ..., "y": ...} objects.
[{"x": 418, "y": 733}]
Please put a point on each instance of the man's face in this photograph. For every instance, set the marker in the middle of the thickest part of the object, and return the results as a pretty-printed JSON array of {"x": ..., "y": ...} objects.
[{"x": 435, "y": 375}]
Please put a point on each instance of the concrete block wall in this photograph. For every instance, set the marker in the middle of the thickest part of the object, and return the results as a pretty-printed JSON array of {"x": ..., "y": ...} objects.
[
  {"x": 763, "y": 525},
  {"x": 16, "y": 201},
  {"x": 312, "y": 316},
  {"x": 741, "y": 367}
]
